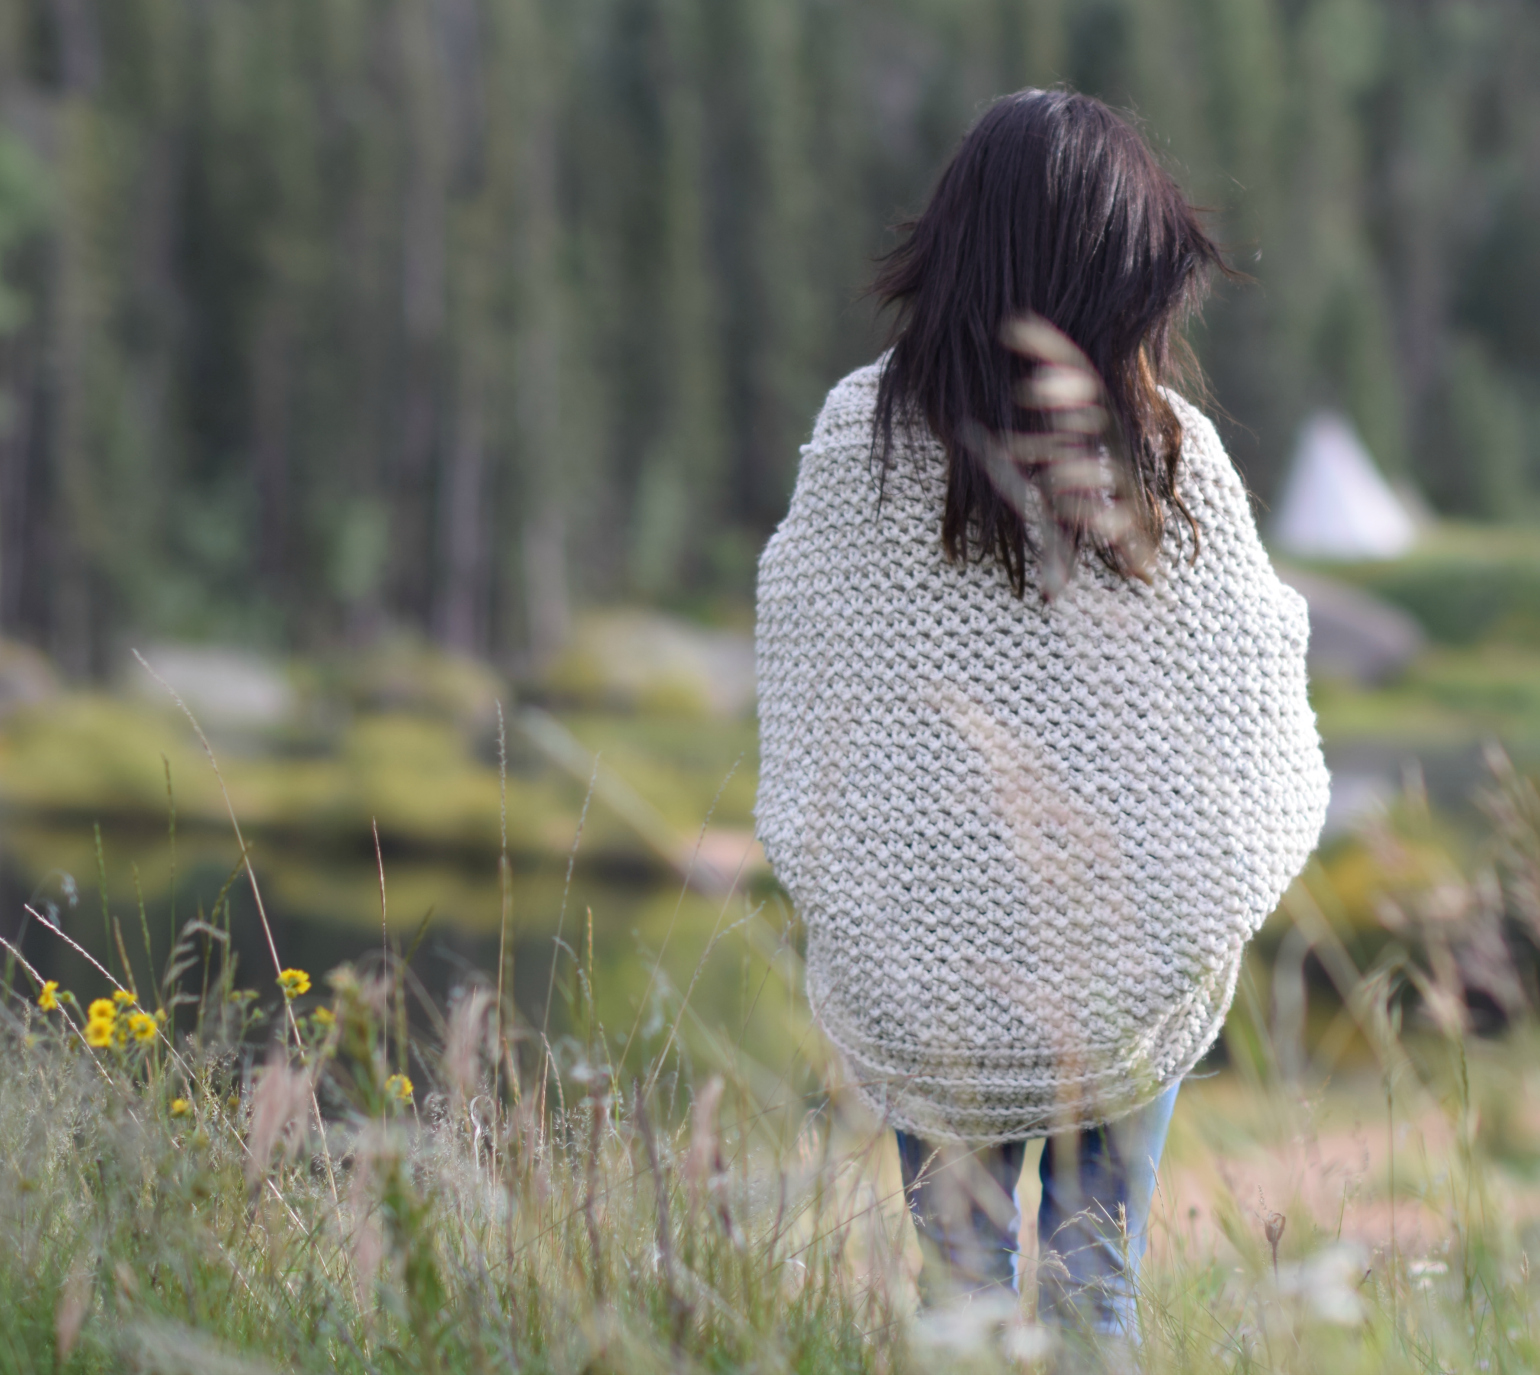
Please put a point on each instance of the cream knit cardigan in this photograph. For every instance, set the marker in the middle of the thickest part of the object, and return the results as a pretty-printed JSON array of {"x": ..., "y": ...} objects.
[{"x": 1027, "y": 842}]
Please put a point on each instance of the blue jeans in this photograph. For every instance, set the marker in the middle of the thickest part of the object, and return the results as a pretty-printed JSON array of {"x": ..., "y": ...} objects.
[{"x": 1092, "y": 1224}]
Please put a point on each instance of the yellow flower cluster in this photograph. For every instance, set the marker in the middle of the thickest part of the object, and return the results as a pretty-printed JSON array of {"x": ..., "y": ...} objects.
[
  {"x": 399, "y": 1087},
  {"x": 48, "y": 999},
  {"x": 107, "y": 1024},
  {"x": 180, "y": 1107},
  {"x": 294, "y": 982}
]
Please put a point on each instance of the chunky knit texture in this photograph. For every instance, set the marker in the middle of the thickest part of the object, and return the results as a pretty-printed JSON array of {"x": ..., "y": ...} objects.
[{"x": 1028, "y": 842}]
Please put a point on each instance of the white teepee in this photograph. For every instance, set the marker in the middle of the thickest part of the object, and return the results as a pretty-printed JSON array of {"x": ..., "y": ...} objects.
[{"x": 1335, "y": 503}]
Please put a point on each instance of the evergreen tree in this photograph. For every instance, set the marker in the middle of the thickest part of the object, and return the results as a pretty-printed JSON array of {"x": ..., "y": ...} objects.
[{"x": 319, "y": 317}]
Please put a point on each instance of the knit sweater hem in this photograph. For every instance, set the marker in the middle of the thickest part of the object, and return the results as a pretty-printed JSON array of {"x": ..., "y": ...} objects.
[{"x": 950, "y": 1098}]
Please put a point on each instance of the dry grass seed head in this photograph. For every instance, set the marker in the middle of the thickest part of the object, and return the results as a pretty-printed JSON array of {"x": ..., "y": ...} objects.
[
  {"x": 705, "y": 1153},
  {"x": 278, "y": 1107},
  {"x": 74, "y": 1304},
  {"x": 366, "y": 1238},
  {"x": 466, "y": 1042}
]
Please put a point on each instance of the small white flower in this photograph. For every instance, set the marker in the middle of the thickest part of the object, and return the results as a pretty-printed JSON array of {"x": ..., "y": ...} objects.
[
  {"x": 969, "y": 1324},
  {"x": 1328, "y": 1283},
  {"x": 1026, "y": 1342}
]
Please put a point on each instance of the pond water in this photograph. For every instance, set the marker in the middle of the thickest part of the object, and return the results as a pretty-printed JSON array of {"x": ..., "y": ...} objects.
[{"x": 324, "y": 908}]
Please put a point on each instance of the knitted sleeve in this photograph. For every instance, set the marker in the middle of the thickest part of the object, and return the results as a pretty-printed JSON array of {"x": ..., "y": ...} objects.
[
  {"x": 792, "y": 596},
  {"x": 1232, "y": 558}
]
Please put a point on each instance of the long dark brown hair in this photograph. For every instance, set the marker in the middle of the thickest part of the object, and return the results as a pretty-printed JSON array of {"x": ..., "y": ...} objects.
[{"x": 1053, "y": 206}]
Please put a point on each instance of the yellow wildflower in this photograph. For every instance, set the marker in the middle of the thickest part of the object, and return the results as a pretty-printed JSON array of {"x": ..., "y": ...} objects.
[
  {"x": 122, "y": 997},
  {"x": 180, "y": 1107},
  {"x": 141, "y": 1026},
  {"x": 102, "y": 1025},
  {"x": 294, "y": 982},
  {"x": 324, "y": 1017},
  {"x": 48, "y": 999},
  {"x": 399, "y": 1087}
]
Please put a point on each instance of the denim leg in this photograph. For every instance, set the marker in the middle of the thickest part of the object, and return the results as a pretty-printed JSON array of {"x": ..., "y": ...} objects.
[
  {"x": 1093, "y": 1224},
  {"x": 964, "y": 1207}
]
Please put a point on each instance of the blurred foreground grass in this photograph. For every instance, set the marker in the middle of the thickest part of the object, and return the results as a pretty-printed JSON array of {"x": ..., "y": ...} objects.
[
  {"x": 173, "y": 1206},
  {"x": 357, "y": 1180}
]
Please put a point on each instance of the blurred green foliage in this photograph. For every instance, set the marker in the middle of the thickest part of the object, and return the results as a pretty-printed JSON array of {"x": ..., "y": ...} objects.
[
  {"x": 1475, "y": 591},
  {"x": 1464, "y": 585},
  {"x": 427, "y": 784},
  {"x": 23, "y": 209},
  {"x": 328, "y": 317}
]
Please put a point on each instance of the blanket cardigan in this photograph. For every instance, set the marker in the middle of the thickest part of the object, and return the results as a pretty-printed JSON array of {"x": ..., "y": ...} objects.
[{"x": 1027, "y": 841}]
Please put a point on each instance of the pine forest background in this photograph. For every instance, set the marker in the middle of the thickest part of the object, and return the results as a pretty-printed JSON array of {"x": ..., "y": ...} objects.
[{"x": 322, "y": 317}]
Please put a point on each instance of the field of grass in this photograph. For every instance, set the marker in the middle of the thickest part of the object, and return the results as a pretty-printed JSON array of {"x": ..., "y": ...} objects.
[
  {"x": 659, "y": 1168},
  {"x": 330, "y": 1173}
]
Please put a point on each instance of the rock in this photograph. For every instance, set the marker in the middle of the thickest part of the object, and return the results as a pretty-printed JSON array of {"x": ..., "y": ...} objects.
[
  {"x": 26, "y": 676},
  {"x": 647, "y": 661},
  {"x": 1354, "y": 798},
  {"x": 226, "y": 689},
  {"x": 1353, "y": 635},
  {"x": 402, "y": 674}
]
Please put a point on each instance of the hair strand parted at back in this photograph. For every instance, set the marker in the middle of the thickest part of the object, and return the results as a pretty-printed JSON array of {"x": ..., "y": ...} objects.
[{"x": 1052, "y": 206}]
